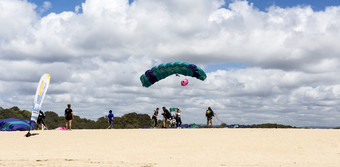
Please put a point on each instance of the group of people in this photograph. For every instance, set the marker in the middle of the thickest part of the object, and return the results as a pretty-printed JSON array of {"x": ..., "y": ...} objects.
[
  {"x": 68, "y": 118},
  {"x": 174, "y": 118}
]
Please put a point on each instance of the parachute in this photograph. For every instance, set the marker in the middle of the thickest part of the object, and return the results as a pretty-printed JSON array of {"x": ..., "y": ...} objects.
[
  {"x": 39, "y": 96},
  {"x": 14, "y": 124},
  {"x": 162, "y": 71},
  {"x": 172, "y": 111}
]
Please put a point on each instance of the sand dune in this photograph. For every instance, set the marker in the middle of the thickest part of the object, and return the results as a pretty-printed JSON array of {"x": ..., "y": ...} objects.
[{"x": 172, "y": 147}]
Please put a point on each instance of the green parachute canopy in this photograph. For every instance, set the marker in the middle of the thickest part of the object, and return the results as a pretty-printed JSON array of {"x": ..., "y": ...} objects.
[{"x": 162, "y": 71}]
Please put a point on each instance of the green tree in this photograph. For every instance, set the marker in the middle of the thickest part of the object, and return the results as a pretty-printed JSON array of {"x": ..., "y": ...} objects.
[
  {"x": 14, "y": 112},
  {"x": 53, "y": 121}
]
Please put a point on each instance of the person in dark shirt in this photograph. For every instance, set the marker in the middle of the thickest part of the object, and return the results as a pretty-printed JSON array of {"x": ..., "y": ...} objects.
[
  {"x": 178, "y": 118},
  {"x": 110, "y": 119},
  {"x": 209, "y": 114},
  {"x": 154, "y": 116},
  {"x": 41, "y": 118},
  {"x": 166, "y": 115},
  {"x": 69, "y": 116}
]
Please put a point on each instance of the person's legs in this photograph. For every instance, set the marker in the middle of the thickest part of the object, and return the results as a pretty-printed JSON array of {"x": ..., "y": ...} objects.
[
  {"x": 70, "y": 122},
  {"x": 67, "y": 123},
  {"x": 164, "y": 122},
  {"x": 155, "y": 124},
  {"x": 111, "y": 124},
  {"x": 43, "y": 122},
  {"x": 208, "y": 120}
]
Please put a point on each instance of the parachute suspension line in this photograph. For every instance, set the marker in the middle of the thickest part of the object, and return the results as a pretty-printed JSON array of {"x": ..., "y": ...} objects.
[{"x": 218, "y": 119}]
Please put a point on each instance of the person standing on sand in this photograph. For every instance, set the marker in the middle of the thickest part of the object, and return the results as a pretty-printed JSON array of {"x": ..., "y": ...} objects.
[
  {"x": 178, "y": 118},
  {"x": 69, "y": 116},
  {"x": 154, "y": 116},
  {"x": 40, "y": 120},
  {"x": 209, "y": 114},
  {"x": 166, "y": 115},
  {"x": 173, "y": 122},
  {"x": 110, "y": 119}
]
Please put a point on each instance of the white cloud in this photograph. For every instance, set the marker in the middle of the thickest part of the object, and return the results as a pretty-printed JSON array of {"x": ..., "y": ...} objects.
[
  {"x": 15, "y": 17},
  {"x": 77, "y": 9},
  {"x": 96, "y": 58},
  {"x": 45, "y": 7}
]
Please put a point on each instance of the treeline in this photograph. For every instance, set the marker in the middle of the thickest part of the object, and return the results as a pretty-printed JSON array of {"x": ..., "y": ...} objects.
[
  {"x": 53, "y": 120},
  {"x": 127, "y": 121},
  {"x": 271, "y": 125},
  {"x": 14, "y": 112},
  {"x": 266, "y": 125}
]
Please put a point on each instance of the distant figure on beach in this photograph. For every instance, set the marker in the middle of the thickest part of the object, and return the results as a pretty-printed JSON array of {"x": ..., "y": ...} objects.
[
  {"x": 209, "y": 114},
  {"x": 69, "y": 117},
  {"x": 173, "y": 122},
  {"x": 166, "y": 115},
  {"x": 155, "y": 116},
  {"x": 178, "y": 118},
  {"x": 110, "y": 119},
  {"x": 40, "y": 119}
]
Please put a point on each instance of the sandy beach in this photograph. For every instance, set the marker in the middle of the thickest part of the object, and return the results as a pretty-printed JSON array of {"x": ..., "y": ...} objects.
[{"x": 172, "y": 147}]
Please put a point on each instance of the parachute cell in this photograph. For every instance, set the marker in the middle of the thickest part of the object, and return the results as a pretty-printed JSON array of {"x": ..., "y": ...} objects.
[{"x": 162, "y": 71}]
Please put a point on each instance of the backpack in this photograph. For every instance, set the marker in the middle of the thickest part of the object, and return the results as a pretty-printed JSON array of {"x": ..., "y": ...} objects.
[
  {"x": 167, "y": 114},
  {"x": 209, "y": 113}
]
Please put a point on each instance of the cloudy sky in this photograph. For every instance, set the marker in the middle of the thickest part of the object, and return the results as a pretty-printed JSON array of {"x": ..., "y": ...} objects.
[{"x": 266, "y": 61}]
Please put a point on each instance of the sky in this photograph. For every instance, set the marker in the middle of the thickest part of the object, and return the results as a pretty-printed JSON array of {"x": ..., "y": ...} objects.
[{"x": 266, "y": 61}]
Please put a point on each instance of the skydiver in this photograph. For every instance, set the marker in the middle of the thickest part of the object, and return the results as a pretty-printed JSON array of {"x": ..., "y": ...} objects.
[
  {"x": 154, "y": 116},
  {"x": 166, "y": 115},
  {"x": 68, "y": 116},
  {"x": 173, "y": 122},
  {"x": 209, "y": 114},
  {"x": 110, "y": 119},
  {"x": 40, "y": 119},
  {"x": 178, "y": 118}
]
